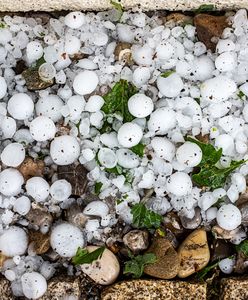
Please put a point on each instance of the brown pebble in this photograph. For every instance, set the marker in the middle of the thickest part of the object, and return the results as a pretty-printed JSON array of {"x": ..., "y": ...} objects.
[
  {"x": 31, "y": 167},
  {"x": 40, "y": 242}
]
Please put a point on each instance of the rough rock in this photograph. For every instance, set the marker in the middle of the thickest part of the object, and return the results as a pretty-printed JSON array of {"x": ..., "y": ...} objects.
[
  {"x": 193, "y": 253},
  {"x": 178, "y": 19},
  {"x": 209, "y": 28},
  {"x": 75, "y": 216},
  {"x": 155, "y": 290},
  {"x": 5, "y": 290},
  {"x": 234, "y": 289},
  {"x": 39, "y": 219},
  {"x": 136, "y": 240},
  {"x": 194, "y": 222},
  {"x": 31, "y": 167},
  {"x": 167, "y": 264},
  {"x": 39, "y": 242},
  {"x": 33, "y": 80}
]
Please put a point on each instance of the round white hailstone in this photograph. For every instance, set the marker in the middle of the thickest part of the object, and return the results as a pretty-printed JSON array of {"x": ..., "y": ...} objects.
[
  {"x": 46, "y": 72},
  {"x": 162, "y": 120},
  {"x": 179, "y": 184},
  {"x": 225, "y": 141},
  {"x": 72, "y": 45},
  {"x": 107, "y": 158},
  {"x": 88, "y": 154},
  {"x": 42, "y": 129},
  {"x": 141, "y": 75},
  {"x": 13, "y": 155},
  {"x": 10, "y": 275},
  {"x": 96, "y": 119},
  {"x": 22, "y": 205},
  {"x": 34, "y": 285},
  {"x": 109, "y": 139},
  {"x": 38, "y": 188},
  {"x": 228, "y": 217},
  {"x": 225, "y": 45},
  {"x": 140, "y": 106},
  {"x": 129, "y": 135},
  {"x": 64, "y": 150},
  {"x": 163, "y": 148},
  {"x": 96, "y": 208},
  {"x": 49, "y": 106},
  {"x": 13, "y": 241},
  {"x": 94, "y": 103},
  {"x": 85, "y": 82},
  {"x": 225, "y": 62},
  {"x": 170, "y": 86},
  {"x": 66, "y": 238},
  {"x": 60, "y": 190},
  {"x": 233, "y": 193},
  {"x": 20, "y": 106},
  {"x": 226, "y": 265},
  {"x": 142, "y": 55},
  {"x": 219, "y": 193},
  {"x": 100, "y": 39},
  {"x": 239, "y": 181},
  {"x": 8, "y": 126},
  {"x": 206, "y": 201},
  {"x": 127, "y": 159},
  {"x": 11, "y": 181},
  {"x": 34, "y": 51},
  {"x": 203, "y": 68},
  {"x": 211, "y": 213},
  {"x": 74, "y": 19},
  {"x": 217, "y": 89},
  {"x": 147, "y": 181},
  {"x": 189, "y": 154},
  {"x": 3, "y": 87},
  {"x": 241, "y": 147},
  {"x": 86, "y": 63},
  {"x": 76, "y": 105},
  {"x": 164, "y": 51}
]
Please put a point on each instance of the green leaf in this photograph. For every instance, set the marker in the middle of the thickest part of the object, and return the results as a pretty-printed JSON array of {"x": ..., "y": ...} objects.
[
  {"x": 205, "y": 8},
  {"x": 167, "y": 73},
  {"x": 3, "y": 25},
  {"x": 116, "y": 170},
  {"x": 143, "y": 217},
  {"x": 38, "y": 63},
  {"x": 243, "y": 247},
  {"x": 117, "y": 99},
  {"x": 98, "y": 186},
  {"x": 241, "y": 95},
  {"x": 138, "y": 149},
  {"x": 117, "y": 5},
  {"x": 136, "y": 265},
  {"x": 83, "y": 256},
  {"x": 204, "y": 272}
]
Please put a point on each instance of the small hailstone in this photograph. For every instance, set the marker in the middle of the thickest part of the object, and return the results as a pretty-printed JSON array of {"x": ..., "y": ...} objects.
[
  {"x": 233, "y": 193},
  {"x": 7, "y": 217},
  {"x": 13, "y": 241},
  {"x": 38, "y": 188},
  {"x": 3, "y": 87},
  {"x": 60, "y": 77},
  {"x": 225, "y": 141},
  {"x": 91, "y": 226},
  {"x": 46, "y": 72},
  {"x": 66, "y": 238},
  {"x": 107, "y": 158},
  {"x": 140, "y": 106},
  {"x": 76, "y": 105},
  {"x": 226, "y": 265},
  {"x": 34, "y": 285},
  {"x": 225, "y": 45},
  {"x": 219, "y": 193},
  {"x": 206, "y": 201},
  {"x": 85, "y": 82},
  {"x": 64, "y": 150},
  {"x": 162, "y": 120},
  {"x": 226, "y": 62},
  {"x": 129, "y": 135},
  {"x": 8, "y": 126},
  {"x": 164, "y": 51},
  {"x": 217, "y": 89},
  {"x": 179, "y": 184},
  {"x": 94, "y": 103},
  {"x": 20, "y": 106},
  {"x": 147, "y": 180},
  {"x": 72, "y": 45},
  {"x": 34, "y": 51},
  {"x": 211, "y": 213},
  {"x": 61, "y": 190},
  {"x": 50, "y": 107},
  {"x": 11, "y": 181},
  {"x": 163, "y": 148},
  {"x": 241, "y": 147},
  {"x": 96, "y": 119},
  {"x": 228, "y": 217},
  {"x": 96, "y": 208},
  {"x": 47, "y": 270},
  {"x": 74, "y": 19},
  {"x": 189, "y": 154},
  {"x": 16, "y": 259},
  {"x": 88, "y": 154},
  {"x": 142, "y": 55},
  {"x": 109, "y": 139},
  {"x": 239, "y": 181},
  {"x": 127, "y": 159},
  {"x": 100, "y": 39},
  {"x": 86, "y": 63},
  {"x": 141, "y": 76},
  {"x": 10, "y": 275},
  {"x": 22, "y": 205},
  {"x": 170, "y": 86},
  {"x": 13, "y": 155},
  {"x": 42, "y": 129}
]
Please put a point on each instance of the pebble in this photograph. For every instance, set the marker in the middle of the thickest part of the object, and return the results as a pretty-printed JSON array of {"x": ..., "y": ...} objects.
[
  {"x": 192, "y": 223},
  {"x": 193, "y": 253},
  {"x": 39, "y": 219},
  {"x": 136, "y": 240},
  {"x": 31, "y": 167},
  {"x": 39, "y": 242}
]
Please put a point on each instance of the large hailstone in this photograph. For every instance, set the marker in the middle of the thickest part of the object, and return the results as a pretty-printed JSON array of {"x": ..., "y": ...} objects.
[
  {"x": 163, "y": 148},
  {"x": 85, "y": 82},
  {"x": 3, "y": 87},
  {"x": 189, "y": 154},
  {"x": 107, "y": 158},
  {"x": 74, "y": 19},
  {"x": 64, "y": 150},
  {"x": 228, "y": 217},
  {"x": 179, "y": 184},
  {"x": 217, "y": 89},
  {"x": 49, "y": 106},
  {"x": 162, "y": 120},
  {"x": 61, "y": 190},
  {"x": 42, "y": 129},
  {"x": 38, "y": 188},
  {"x": 127, "y": 159},
  {"x": 13, "y": 155},
  {"x": 20, "y": 106},
  {"x": 66, "y": 238},
  {"x": 129, "y": 135},
  {"x": 34, "y": 285},
  {"x": 140, "y": 106},
  {"x": 11, "y": 181},
  {"x": 170, "y": 86},
  {"x": 13, "y": 241}
]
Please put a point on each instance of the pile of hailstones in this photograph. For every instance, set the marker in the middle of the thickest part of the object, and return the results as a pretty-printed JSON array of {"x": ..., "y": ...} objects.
[{"x": 164, "y": 109}]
